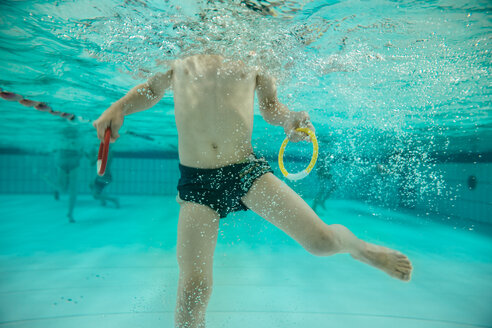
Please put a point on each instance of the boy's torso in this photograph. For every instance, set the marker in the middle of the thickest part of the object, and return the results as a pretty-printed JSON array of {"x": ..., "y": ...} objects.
[{"x": 213, "y": 110}]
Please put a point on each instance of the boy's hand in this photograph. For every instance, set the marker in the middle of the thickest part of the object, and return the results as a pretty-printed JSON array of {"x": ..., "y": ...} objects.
[
  {"x": 113, "y": 118},
  {"x": 298, "y": 120}
]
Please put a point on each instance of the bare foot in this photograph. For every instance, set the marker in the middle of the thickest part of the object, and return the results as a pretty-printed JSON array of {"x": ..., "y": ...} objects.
[
  {"x": 70, "y": 218},
  {"x": 390, "y": 261}
]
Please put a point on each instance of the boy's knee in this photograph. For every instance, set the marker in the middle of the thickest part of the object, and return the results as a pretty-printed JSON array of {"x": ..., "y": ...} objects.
[
  {"x": 196, "y": 287},
  {"x": 324, "y": 243},
  {"x": 193, "y": 297}
]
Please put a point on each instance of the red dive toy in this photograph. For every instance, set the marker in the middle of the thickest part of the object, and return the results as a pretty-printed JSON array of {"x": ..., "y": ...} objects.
[{"x": 102, "y": 156}]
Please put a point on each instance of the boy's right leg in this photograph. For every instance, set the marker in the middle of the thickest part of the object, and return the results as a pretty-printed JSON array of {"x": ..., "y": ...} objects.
[{"x": 197, "y": 236}]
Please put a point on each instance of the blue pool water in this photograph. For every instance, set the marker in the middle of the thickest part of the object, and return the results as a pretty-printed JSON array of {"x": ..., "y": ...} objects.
[
  {"x": 399, "y": 93},
  {"x": 118, "y": 269}
]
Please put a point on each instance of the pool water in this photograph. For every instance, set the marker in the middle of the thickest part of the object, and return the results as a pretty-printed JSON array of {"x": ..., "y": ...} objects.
[
  {"x": 117, "y": 268},
  {"x": 399, "y": 93}
]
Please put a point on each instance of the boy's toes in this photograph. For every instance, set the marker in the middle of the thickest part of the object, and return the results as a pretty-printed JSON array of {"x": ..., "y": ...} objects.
[
  {"x": 403, "y": 273},
  {"x": 404, "y": 265},
  {"x": 399, "y": 274}
]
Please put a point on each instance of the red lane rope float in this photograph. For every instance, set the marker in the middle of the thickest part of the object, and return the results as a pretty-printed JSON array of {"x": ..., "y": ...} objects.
[
  {"x": 41, "y": 106},
  {"x": 44, "y": 107},
  {"x": 102, "y": 156}
]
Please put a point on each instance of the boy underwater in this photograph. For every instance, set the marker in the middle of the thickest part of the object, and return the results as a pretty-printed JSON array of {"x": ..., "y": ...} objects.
[{"x": 213, "y": 101}]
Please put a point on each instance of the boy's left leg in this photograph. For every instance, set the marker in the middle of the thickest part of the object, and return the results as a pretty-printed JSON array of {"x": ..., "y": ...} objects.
[{"x": 273, "y": 200}]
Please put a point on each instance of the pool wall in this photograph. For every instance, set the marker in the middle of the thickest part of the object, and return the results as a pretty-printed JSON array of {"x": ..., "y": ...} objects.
[
  {"x": 468, "y": 186},
  {"x": 465, "y": 201}
]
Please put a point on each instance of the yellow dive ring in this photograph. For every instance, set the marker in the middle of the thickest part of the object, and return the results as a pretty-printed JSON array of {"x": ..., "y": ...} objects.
[{"x": 305, "y": 172}]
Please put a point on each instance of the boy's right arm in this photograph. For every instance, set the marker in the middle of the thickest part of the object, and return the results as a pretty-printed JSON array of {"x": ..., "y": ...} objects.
[{"x": 140, "y": 98}]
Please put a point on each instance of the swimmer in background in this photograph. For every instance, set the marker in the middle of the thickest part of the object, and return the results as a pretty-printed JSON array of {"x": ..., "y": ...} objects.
[
  {"x": 101, "y": 182},
  {"x": 220, "y": 174},
  {"x": 326, "y": 184},
  {"x": 67, "y": 161}
]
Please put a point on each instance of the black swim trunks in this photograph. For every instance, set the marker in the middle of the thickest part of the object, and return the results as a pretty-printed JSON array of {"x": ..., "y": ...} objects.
[{"x": 221, "y": 189}]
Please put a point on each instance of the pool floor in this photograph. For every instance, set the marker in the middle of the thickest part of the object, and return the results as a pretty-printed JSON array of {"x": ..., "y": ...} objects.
[{"x": 117, "y": 268}]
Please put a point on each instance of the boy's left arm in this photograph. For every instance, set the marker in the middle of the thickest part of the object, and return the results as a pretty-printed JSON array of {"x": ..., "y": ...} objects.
[{"x": 276, "y": 113}]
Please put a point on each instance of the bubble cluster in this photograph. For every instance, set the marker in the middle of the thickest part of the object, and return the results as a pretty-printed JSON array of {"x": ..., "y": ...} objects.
[
  {"x": 142, "y": 38},
  {"x": 384, "y": 91}
]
